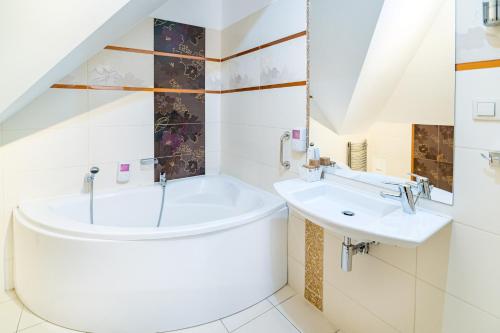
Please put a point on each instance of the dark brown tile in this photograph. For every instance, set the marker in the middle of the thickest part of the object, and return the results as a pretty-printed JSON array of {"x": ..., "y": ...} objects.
[
  {"x": 172, "y": 108},
  {"x": 427, "y": 168},
  {"x": 425, "y": 142},
  {"x": 446, "y": 137},
  {"x": 180, "y": 139},
  {"x": 445, "y": 176},
  {"x": 179, "y": 73},
  {"x": 173, "y": 37},
  {"x": 182, "y": 166}
]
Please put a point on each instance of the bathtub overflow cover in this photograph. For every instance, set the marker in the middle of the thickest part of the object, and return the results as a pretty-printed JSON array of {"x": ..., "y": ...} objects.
[{"x": 348, "y": 213}]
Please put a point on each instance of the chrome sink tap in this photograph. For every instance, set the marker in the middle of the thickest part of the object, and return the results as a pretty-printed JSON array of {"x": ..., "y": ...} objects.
[
  {"x": 405, "y": 196},
  {"x": 423, "y": 186}
]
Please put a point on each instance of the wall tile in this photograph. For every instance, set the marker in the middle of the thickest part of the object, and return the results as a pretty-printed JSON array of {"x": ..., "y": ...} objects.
[
  {"x": 285, "y": 62},
  {"x": 470, "y": 86},
  {"x": 212, "y": 162},
  {"x": 123, "y": 143},
  {"x": 180, "y": 139},
  {"x": 241, "y": 72},
  {"x": 213, "y": 75},
  {"x": 384, "y": 290},
  {"x": 403, "y": 258},
  {"x": 432, "y": 258},
  {"x": 139, "y": 175},
  {"x": 45, "y": 149},
  {"x": 471, "y": 278},
  {"x": 171, "y": 108},
  {"x": 476, "y": 191},
  {"x": 212, "y": 136},
  {"x": 213, "y": 108},
  {"x": 351, "y": 317},
  {"x": 178, "y": 73},
  {"x": 254, "y": 29},
  {"x": 296, "y": 273},
  {"x": 280, "y": 108},
  {"x": 120, "y": 108},
  {"x": 77, "y": 76},
  {"x": 181, "y": 166},
  {"x": 296, "y": 238},
  {"x": 54, "y": 108},
  {"x": 429, "y": 308},
  {"x": 112, "y": 68},
  {"x": 173, "y": 37},
  {"x": 140, "y": 37},
  {"x": 213, "y": 43}
]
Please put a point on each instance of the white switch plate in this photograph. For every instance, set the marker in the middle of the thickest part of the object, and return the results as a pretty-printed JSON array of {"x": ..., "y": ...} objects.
[{"x": 486, "y": 110}]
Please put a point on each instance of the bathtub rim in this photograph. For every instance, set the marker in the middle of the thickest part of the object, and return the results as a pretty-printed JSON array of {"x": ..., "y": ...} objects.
[{"x": 68, "y": 227}]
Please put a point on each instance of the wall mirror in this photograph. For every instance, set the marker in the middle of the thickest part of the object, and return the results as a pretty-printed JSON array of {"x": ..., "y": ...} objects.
[{"x": 382, "y": 86}]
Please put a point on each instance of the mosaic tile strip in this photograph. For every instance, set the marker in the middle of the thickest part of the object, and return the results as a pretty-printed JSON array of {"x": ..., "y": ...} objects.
[
  {"x": 433, "y": 154},
  {"x": 313, "y": 291}
]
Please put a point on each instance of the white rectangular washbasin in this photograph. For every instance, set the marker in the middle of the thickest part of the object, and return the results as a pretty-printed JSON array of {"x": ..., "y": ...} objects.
[{"x": 359, "y": 215}]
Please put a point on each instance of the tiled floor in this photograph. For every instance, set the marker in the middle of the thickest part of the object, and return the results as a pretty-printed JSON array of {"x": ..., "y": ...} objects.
[{"x": 284, "y": 312}]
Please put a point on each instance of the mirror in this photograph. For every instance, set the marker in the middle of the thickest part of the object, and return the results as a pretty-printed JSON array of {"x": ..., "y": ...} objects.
[{"x": 382, "y": 80}]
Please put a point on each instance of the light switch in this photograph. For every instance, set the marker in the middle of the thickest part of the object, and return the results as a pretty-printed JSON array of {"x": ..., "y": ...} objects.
[{"x": 485, "y": 109}]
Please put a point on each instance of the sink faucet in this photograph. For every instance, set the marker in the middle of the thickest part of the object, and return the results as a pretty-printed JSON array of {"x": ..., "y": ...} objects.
[
  {"x": 423, "y": 186},
  {"x": 405, "y": 196}
]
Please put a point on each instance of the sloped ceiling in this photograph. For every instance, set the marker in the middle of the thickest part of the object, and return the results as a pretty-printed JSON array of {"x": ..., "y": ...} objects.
[
  {"x": 42, "y": 41},
  {"x": 354, "y": 89}
]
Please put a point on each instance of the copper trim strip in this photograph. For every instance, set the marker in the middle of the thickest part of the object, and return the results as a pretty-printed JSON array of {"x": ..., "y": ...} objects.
[
  {"x": 185, "y": 56},
  {"x": 477, "y": 65},
  {"x": 179, "y": 91}
]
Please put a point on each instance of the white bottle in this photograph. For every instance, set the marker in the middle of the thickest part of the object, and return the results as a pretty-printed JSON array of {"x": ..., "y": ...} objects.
[
  {"x": 311, "y": 152},
  {"x": 123, "y": 172}
]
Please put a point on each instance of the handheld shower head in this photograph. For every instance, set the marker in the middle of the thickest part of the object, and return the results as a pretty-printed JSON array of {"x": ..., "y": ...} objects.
[{"x": 94, "y": 170}]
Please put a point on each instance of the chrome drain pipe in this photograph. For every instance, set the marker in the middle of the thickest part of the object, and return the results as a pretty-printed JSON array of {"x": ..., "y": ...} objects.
[{"x": 349, "y": 250}]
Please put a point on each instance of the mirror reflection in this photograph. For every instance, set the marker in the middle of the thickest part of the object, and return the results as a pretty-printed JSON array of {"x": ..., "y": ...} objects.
[{"x": 382, "y": 83}]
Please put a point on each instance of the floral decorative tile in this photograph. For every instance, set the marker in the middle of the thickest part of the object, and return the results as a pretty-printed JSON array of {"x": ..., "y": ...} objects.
[
  {"x": 179, "y": 73},
  {"x": 427, "y": 168},
  {"x": 181, "y": 166},
  {"x": 172, "y": 108},
  {"x": 445, "y": 174},
  {"x": 173, "y": 37},
  {"x": 446, "y": 138},
  {"x": 425, "y": 142},
  {"x": 181, "y": 139}
]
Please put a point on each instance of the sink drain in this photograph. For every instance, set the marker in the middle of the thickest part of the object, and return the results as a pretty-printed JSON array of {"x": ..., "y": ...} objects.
[{"x": 348, "y": 213}]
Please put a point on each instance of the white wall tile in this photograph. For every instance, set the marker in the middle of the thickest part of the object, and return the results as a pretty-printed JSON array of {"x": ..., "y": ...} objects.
[
  {"x": 78, "y": 76},
  {"x": 139, "y": 37},
  {"x": 280, "y": 108},
  {"x": 349, "y": 316},
  {"x": 213, "y": 108},
  {"x": 123, "y": 143},
  {"x": 212, "y": 136},
  {"x": 54, "y": 108},
  {"x": 254, "y": 29},
  {"x": 476, "y": 198},
  {"x": 296, "y": 238},
  {"x": 213, "y": 43},
  {"x": 470, "y": 86},
  {"x": 120, "y": 108},
  {"x": 285, "y": 62},
  {"x": 241, "y": 72},
  {"x": 115, "y": 68},
  {"x": 429, "y": 308},
  {"x": 213, "y": 75},
  {"x": 473, "y": 270},
  {"x": 384, "y": 290}
]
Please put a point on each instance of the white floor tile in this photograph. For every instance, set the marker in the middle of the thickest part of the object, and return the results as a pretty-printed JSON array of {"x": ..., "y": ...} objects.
[
  {"x": 282, "y": 295},
  {"x": 305, "y": 317},
  {"x": 214, "y": 327},
  {"x": 270, "y": 322},
  {"x": 243, "y": 317},
  {"x": 9, "y": 316},
  {"x": 28, "y": 319},
  {"x": 47, "y": 327}
]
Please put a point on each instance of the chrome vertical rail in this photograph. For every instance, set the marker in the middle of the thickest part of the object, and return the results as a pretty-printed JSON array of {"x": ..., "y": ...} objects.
[{"x": 284, "y": 137}]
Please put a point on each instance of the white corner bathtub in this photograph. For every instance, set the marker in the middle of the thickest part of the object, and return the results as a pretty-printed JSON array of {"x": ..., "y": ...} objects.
[{"x": 221, "y": 248}]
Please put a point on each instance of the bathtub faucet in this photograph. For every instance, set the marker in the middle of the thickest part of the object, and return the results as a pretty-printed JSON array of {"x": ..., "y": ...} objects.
[
  {"x": 163, "y": 178},
  {"x": 90, "y": 180}
]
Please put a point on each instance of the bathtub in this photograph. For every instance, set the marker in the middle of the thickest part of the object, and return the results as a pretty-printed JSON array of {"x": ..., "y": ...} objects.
[{"x": 221, "y": 247}]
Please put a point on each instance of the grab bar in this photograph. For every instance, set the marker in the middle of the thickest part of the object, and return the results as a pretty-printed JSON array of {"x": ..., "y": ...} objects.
[{"x": 285, "y": 136}]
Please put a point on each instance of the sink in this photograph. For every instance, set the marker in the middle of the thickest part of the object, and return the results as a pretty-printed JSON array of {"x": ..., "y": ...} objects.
[{"x": 360, "y": 215}]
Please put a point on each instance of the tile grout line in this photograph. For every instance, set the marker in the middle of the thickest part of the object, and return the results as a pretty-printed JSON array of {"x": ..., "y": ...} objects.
[
  {"x": 248, "y": 322},
  {"x": 224, "y": 325},
  {"x": 19, "y": 320}
]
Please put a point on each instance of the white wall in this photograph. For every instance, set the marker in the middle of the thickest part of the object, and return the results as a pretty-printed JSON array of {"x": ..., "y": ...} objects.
[
  {"x": 253, "y": 121},
  {"x": 68, "y": 32}
]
